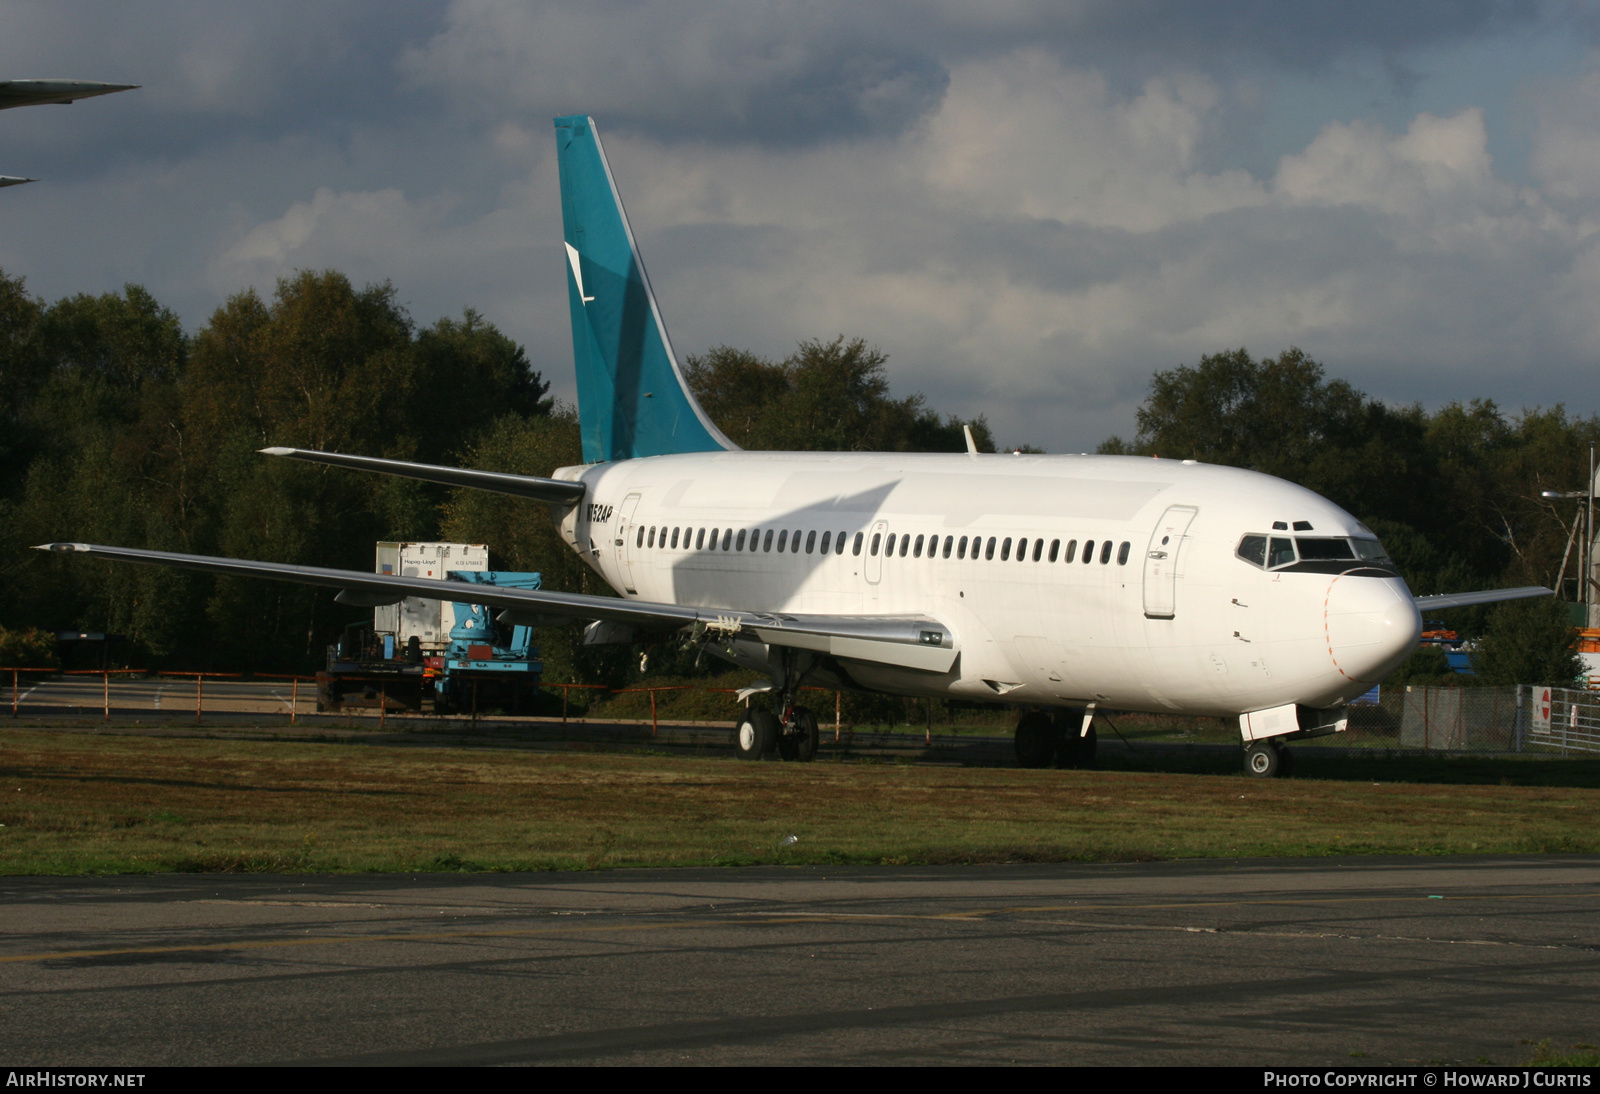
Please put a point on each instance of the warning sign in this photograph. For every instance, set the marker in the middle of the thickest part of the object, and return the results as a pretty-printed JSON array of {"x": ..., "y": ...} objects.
[{"x": 1541, "y": 710}]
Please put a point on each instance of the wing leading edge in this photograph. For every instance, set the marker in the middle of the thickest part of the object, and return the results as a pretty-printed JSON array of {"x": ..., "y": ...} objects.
[
  {"x": 903, "y": 641},
  {"x": 1488, "y": 596}
]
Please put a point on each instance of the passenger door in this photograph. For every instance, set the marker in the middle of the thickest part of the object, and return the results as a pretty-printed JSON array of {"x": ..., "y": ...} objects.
[
  {"x": 1162, "y": 562},
  {"x": 624, "y": 542}
]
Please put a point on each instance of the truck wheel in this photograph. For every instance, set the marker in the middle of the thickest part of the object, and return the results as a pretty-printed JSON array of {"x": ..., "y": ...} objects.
[
  {"x": 1036, "y": 739},
  {"x": 755, "y": 734},
  {"x": 1262, "y": 760}
]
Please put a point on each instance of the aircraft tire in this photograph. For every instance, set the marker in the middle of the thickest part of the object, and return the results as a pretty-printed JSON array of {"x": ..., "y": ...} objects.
[
  {"x": 755, "y": 734},
  {"x": 1036, "y": 739},
  {"x": 1077, "y": 751},
  {"x": 1263, "y": 760},
  {"x": 788, "y": 745},
  {"x": 808, "y": 737}
]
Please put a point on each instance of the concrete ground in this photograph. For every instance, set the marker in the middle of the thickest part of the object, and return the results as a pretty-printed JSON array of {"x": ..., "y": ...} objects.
[{"x": 1256, "y": 962}]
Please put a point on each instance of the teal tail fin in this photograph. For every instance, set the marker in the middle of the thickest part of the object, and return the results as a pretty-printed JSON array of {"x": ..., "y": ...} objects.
[{"x": 632, "y": 399}]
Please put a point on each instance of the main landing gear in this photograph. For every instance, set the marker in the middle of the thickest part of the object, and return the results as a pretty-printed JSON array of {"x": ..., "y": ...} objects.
[
  {"x": 760, "y": 734},
  {"x": 1267, "y": 760},
  {"x": 1057, "y": 738},
  {"x": 788, "y": 730}
]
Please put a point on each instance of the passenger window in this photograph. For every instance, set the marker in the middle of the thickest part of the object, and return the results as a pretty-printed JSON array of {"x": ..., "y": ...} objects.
[
  {"x": 949, "y": 541},
  {"x": 739, "y": 545},
  {"x": 876, "y": 536},
  {"x": 905, "y": 545},
  {"x": 888, "y": 548},
  {"x": 1253, "y": 549},
  {"x": 1122, "y": 553},
  {"x": 675, "y": 539},
  {"x": 783, "y": 537},
  {"x": 652, "y": 541},
  {"x": 1280, "y": 552},
  {"x": 988, "y": 553},
  {"x": 1038, "y": 549},
  {"x": 961, "y": 548},
  {"x": 794, "y": 542},
  {"x": 700, "y": 539},
  {"x": 1072, "y": 551},
  {"x": 766, "y": 543},
  {"x": 1105, "y": 552},
  {"x": 916, "y": 551},
  {"x": 811, "y": 542},
  {"x": 640, "y": 541},
  {"x": 839, "y": 544},
  {"x": 1055, "y": 549},
  {"x": 727, "y": 537},
  {"x": 1088, "y": 551}
]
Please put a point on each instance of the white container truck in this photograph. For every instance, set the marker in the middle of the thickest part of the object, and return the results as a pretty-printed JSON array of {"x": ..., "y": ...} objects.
[{"x": 429, "y": 620}]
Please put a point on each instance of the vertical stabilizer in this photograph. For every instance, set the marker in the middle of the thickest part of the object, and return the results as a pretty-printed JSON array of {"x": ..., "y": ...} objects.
[{"x": 632, "y": 399}]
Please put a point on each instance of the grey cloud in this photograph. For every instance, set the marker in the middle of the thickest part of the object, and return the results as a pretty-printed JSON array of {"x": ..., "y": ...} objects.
[{"x": 776, "y": 75}]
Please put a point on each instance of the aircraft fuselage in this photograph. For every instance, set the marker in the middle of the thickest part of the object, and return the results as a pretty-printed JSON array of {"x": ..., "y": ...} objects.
[{"x": 1064, "y": 579}]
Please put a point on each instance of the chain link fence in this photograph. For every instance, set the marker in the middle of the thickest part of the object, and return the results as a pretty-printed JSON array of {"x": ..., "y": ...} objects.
[{"x": 1521, "y": 718}]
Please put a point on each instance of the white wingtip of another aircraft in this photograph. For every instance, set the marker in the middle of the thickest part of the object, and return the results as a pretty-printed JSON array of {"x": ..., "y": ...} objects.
[
  {"x": 276, "y": 451},
  {"x": 68, "y": 547}
]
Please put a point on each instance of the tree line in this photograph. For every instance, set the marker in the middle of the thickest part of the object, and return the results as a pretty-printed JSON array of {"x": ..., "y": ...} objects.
[{"x": 118, "y": 426}]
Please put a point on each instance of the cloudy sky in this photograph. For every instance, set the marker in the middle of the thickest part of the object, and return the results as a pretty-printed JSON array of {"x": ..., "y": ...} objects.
[{"x": 1030, "y": 206}]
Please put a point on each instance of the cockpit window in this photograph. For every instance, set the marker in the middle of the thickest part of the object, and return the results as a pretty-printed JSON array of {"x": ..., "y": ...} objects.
[
  {"x": 1325, "y": 548},
  {"x": 1276, "y": 552},
  {"x": 1370, "y": 550}
]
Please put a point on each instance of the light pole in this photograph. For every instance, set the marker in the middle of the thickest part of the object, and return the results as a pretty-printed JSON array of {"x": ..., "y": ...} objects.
[{"x": 1587, "y": 579}]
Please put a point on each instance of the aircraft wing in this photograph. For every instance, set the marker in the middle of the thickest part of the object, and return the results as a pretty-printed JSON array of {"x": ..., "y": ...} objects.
[
  {"x": 904, "y": 641},
  {"x": 35, "y": 92},
  {"x": 556, "y": 491},
  {"x": 1488, "y": 596}
]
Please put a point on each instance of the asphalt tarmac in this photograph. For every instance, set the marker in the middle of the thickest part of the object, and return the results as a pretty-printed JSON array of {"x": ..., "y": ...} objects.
[{"x": 1258, "y": 962}]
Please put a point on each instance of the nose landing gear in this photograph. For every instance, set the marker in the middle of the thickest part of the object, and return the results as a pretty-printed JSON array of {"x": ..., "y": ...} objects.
[{"x": 1268, "y": 760}]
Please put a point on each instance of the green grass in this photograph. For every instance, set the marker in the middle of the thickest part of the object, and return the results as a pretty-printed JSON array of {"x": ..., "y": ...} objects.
[
  {"x": 1580, "y": 1055},
  {"x": 110, "y": 804}
]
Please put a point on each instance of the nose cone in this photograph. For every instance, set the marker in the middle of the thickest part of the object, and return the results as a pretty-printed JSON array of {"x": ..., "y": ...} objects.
[{"x": 1371, "y": 624}]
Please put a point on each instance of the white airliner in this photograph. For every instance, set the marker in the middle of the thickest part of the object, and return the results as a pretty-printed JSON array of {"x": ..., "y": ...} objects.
[{"x": 1058, "y": 584}]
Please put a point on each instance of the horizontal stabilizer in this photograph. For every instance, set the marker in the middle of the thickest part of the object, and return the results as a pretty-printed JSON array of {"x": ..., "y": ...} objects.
[
  {"x": 14, "y": 180},
  {"x": 904, "y": 641},
  {"x": 36, "y": 92},
  {"x": 1427, "y": 604},
  {"x": 555, "y": 491}
]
